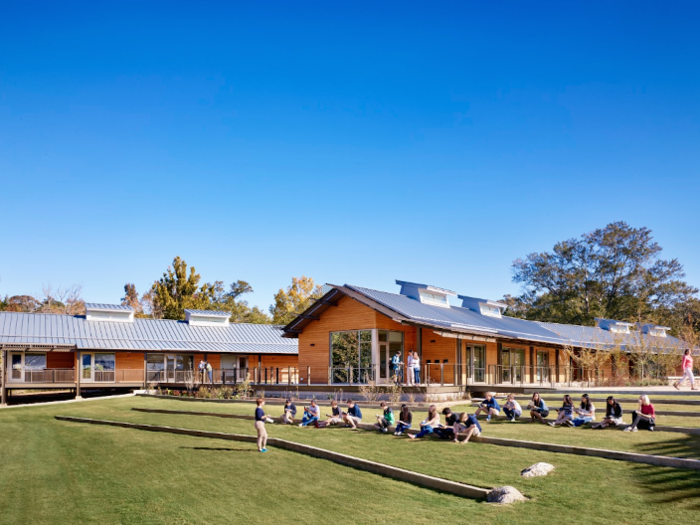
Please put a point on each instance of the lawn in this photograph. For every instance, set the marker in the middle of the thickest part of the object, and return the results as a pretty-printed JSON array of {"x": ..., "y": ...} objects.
[{"x": 60, "y": 472}]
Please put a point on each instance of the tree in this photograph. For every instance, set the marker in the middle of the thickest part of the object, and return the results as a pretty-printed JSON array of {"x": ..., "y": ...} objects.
[
  {"x": 613, "y": 272},
  {"x": 178, "y": 290},
  {"x": 241, "y": 311},
  {"x": 143, "y": 306},
  {"x": 297, "y": 298}
]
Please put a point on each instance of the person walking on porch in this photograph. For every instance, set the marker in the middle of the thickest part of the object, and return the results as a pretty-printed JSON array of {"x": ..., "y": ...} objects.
[
  {"x": 409, "y": 369},
  {"x": 687, "y": 366},
  {"x": 416, "y": 368}
]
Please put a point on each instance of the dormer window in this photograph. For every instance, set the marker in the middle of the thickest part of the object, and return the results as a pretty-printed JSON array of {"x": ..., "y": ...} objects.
[
  {"x": 483, "y": 306},
  {"x": 433, "y": 298},
  {"x": 654, "y": 330},
  {"x": 207, "y": 317},
  {"x": 615, "y": 327},
  {"x": 109, "y": 312},
  {"x": 487, "y": 309},
  {"x": 426, "y": 293}
]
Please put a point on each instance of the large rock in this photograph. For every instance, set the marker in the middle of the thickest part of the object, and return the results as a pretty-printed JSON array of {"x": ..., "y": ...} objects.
[
  {"x": 505, "y": 495},
  {"x": 538, "y": 469}
]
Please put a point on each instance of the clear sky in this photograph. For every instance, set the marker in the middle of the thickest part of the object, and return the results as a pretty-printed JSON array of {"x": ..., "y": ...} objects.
[{"x": 353, "y": 142}]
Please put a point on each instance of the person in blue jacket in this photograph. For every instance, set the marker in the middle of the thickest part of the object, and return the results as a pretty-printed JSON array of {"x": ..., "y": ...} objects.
[
  {"x": 353, "y": 416},
  {"x": 466, "y": 425},
  {"x": 538, "y": 408},
  {"x": 490, "y": 406}
]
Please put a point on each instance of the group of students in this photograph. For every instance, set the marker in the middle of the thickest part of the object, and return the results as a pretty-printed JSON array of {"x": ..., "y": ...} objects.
[
  {"x": 412, "y": 368},
  {"x": 462, "y": 424},
  {"x": 569, "y": 414}
]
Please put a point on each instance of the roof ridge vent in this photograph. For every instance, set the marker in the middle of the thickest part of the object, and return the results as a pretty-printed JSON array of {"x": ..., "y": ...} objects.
[
  {"x": 426, "y": 293},
  {"x": 611, "y": 325},
  {"x": 653, "y": 330},
  {"x": 207, "y": 317},
  {"x": 117, "y": 313}
]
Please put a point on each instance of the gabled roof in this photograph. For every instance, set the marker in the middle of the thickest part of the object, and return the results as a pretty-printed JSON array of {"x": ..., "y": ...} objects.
[
  {"x": 153, "y": 335},
  {"x": 459, "y": 320}
]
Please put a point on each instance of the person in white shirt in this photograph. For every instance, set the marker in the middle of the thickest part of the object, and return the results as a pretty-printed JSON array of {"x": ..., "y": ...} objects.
[
  {"x": 512, "y": 408},
  {"x": 416, "y": 368},
  {"x": 409, "y": 370}
]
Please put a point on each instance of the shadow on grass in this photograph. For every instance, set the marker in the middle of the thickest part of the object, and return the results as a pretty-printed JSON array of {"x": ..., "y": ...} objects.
[
  {"x": 666, "y": 485},
  {"x": 684, "y": 446},
  {"x": 220, "y": 449}
]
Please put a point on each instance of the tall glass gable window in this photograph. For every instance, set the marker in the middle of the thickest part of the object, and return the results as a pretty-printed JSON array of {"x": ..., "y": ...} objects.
[{"x": 351, "y": 356}]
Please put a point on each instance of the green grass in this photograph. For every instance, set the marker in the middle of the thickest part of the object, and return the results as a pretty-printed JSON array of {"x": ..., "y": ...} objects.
[{"x": 60, "y": 472}]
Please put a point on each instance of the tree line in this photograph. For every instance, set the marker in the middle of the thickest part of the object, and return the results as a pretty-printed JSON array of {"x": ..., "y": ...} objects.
[{"x": 181, "y": 288}]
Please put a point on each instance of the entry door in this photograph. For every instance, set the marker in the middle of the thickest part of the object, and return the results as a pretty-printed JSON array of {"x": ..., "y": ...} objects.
[
  {"x": 518, "y": 363},
  {"x": 542, "y": 366},
  {"x": 242, "y": 368},
  {"x": 170, "y": 368},
  {"x": 478, "y": 363},
  {"x": 86, "y": 369},
  {"x": 384, "y": 365},
  {"x": 506, "y": 375}
]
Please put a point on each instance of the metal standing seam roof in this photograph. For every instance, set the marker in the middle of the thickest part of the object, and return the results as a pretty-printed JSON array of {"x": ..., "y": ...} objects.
[
  {"x": 464, "y": 320},
  {"x": 594, "y": 337},
  {"x": 142, "y": 334},
  {"x": 101, "y": 306}
]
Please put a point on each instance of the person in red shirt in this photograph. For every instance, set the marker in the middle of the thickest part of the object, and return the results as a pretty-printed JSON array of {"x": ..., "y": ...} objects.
[
  {"x": 687, "y": 366},
  {"x": 644, "y": 417}
]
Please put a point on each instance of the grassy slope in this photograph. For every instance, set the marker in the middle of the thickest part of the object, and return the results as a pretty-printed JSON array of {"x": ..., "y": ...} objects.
[{"x": 56, "y": 472}]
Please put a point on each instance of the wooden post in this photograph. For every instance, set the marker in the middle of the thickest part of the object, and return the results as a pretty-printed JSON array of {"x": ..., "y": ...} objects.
[
  {"x": 556, "y": 361},
  {"x": 308, "y": 376},
  {"x": 532, "y": 364},
  {"x": 442, "y": 374},
  {"x": 3, "y": 378},
  {"x": 289, "y": 375},
  {"x": 78, "y": 374},
  {"x": 145, "y": 370}
]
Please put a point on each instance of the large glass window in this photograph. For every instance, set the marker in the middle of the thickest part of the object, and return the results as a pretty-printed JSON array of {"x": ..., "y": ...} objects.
[
  {"x": 155, "y": 362},
  {"x": 351, "y": 356},
  {"x": 104, "y": 362},
  {"x": 35, "y": 361}
]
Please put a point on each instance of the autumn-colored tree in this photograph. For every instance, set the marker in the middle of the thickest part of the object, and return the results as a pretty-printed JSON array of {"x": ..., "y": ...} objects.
[
  {"x": 142, "y": 306},
  {"x": 241, "y": 311},
  {"x": 178, "y": 290},
  {"x": 297, "y": 298}
]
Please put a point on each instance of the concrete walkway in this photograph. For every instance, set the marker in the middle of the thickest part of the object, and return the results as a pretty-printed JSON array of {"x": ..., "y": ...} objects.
[{"x": 63, "y": 401}]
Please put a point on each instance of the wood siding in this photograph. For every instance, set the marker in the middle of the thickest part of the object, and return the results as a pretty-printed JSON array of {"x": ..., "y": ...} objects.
[
  {"x": 64, "y": 360},
  {"x": 129, "y": 361}
]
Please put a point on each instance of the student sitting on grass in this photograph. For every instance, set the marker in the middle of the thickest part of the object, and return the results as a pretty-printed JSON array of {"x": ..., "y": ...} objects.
[
  {"x": 428, "y": 424},
  {"x": 405, "y": 420},
  {"x": 467, "y": 425},
  {"x": 512, "y": 408},
  {"x": 385, "y": 419},
  {"x": 586, "y": 413},
  {"x": 488, "y": 405},
  {"x": 613, "y": 414},
  {"x": 353, "y": 416},
  {"x": 260, "y": 419},
  {"x": 290, "y": 412},
  {"x": 538, "y": 408},
  {"x": 311, "y": 414},
  {"x": 333, "y": 418},
  {"x": 446, "y": 431},
  {"x": 565, "y": 413},
  {"x": 644, "y": 417}
]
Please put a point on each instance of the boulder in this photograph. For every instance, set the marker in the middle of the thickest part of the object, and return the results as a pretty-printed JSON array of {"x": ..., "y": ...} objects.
[
  {"x": 505, "y": 495},
  {"x": 538, "y": 469}
]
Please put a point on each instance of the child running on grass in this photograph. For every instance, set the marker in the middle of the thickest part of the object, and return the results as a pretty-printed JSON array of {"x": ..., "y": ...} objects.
[
  {"x": 428, "y": 424},
  {"x": 386, "y": 419},
  {"x": 565, "y": 414},
  {"x": 467, "y": 425},
  {"x": 405, "y": 420}
]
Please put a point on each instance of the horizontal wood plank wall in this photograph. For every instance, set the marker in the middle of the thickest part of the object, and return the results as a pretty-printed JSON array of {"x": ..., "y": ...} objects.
[
  {"x": 65, "y": 360},
  {"x": 281, "y": 361},
  {"x": 129, "y": 360},
  {"x": 214, "y": 361},
  {"x": 348, "y": 315},
  {"x": 442, "y": 350}
]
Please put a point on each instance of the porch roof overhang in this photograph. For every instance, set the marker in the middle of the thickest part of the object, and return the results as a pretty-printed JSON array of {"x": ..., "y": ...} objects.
[{"x": 45, "y": 347}]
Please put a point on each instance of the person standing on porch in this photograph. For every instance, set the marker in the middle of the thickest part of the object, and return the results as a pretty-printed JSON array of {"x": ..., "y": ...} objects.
[
  {"x": 416, "y": 368},
  {"x": 409, "y": 369},
  {"x": 210, "y": 373},
  {"x": 687, "y": 366},
  {"x": 260, "y": 419},
  {"x": 201, "y": 367},
  {"x": 397, "y": 368}
]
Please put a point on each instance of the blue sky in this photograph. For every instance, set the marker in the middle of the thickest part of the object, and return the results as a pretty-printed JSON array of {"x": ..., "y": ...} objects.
[{"x": 350, "y": 142}]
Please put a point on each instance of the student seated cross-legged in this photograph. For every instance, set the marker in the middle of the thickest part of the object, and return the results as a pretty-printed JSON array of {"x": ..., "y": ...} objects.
[
  {"x": 405, "y": 420},
  {"x": 466, "y": 425},
  {"x": 489, "y": 405},
  {"x": 290, "y": 412},
  {"x": 385, "y": 419},
  {"x": 311, "y": 414},
  {"x": 565, "y": 414},
  {"x": 333, "y": 418},
  {"x": 538, "y": 408},
  {"x": 613, "y": 414},
  {"x": 644, "y": 417},
  {"x": 585, "y": 413},
  {"x": 446, "y": 431},
  {"x": 428, "y": 424},
  {"x": 512, "y": 408},
  {"x": 353, "y": 416}
]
